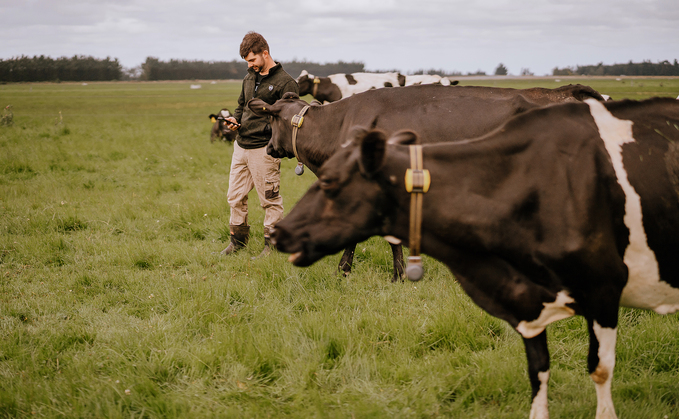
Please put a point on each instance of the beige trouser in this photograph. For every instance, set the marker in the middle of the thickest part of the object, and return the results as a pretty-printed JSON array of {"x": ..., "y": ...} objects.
[{"x": 254, "y": 168}]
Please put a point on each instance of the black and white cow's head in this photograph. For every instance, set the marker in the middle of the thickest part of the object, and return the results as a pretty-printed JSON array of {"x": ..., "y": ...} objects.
[{"x": 305, "y": 81}]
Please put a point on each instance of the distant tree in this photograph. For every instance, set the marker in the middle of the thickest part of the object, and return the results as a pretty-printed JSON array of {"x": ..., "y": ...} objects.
[
  {"x": 526, "y": 72},
  {"x": 501, "y": 70},
  {"x": 645, "y": 68},
  {"x": 566, "y": 71}
]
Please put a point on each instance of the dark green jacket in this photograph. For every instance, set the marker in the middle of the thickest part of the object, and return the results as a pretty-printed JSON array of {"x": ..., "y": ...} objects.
[{"x": 255, "y": 131}]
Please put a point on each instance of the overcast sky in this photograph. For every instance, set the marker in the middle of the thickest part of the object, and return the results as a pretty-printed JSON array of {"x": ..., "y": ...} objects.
[{"x": 452, "y": 35}]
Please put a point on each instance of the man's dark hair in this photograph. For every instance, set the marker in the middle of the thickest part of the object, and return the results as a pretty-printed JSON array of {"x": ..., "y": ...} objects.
[{"x": 253, "y": 42}]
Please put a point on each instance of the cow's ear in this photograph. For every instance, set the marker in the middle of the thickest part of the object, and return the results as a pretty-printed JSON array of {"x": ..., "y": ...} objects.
[
  {"x": 261, "y": 108},
  {"x": 212, "y": 116},
  {"x": 356, "y": 135},
  {"x": 404, "y": 137},
  {"x": 290, "y": 95},
  {"x": 373, "y": 146}
]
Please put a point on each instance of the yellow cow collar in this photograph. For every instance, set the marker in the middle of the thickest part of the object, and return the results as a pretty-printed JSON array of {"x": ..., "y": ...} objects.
[
  {"x": 296, "y": 122},
  {"x": 417, "y": 182}
]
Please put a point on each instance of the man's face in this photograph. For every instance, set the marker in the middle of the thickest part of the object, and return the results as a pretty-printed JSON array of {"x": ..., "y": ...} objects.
[{"x": 256, "y": 61}]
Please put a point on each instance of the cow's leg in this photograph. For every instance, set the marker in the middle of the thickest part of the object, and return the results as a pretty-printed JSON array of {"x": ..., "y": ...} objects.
[
  {"x": 347, "y": 260},
  {"x": 601, "y": 362},
  {"x": 538, "y": 373},
  {"x": 397, "y": 251}
]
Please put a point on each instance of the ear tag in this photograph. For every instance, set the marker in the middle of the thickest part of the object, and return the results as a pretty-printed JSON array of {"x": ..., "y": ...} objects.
[{"x": 213, "y": 120}]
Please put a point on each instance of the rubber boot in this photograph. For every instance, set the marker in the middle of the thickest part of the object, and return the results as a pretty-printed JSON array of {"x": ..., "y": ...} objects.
[
  {"x": 239, "y": 238},
  {"x": 267, "y": 245}
]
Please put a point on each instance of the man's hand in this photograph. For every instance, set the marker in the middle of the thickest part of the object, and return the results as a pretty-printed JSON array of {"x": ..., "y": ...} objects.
[{"x": 232, "y": 123}]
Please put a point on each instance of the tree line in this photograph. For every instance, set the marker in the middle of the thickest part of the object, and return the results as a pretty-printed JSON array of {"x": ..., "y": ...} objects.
[
  {"x": 87, "y": 68},
  {"x": 645, "y": 68},
  {"x": 76, "y": 68}
]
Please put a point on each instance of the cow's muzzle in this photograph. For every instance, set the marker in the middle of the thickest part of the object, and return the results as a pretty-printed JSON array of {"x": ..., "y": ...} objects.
[{"x": 298, "y": 246}]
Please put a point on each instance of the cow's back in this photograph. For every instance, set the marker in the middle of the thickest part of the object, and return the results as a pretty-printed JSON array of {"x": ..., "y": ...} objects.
[{"x": 438, "y": 113}]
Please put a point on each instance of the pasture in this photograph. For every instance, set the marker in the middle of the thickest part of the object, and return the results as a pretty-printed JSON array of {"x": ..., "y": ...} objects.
[{"x": 113, "y": 303}]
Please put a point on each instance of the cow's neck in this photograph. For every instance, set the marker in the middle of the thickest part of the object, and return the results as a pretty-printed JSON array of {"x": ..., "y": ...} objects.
[
  {"x": 318, "y": 139},
  {"x": 467, "y": 180}
]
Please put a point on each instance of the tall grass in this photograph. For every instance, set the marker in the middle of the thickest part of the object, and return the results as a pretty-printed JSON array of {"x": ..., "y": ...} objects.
[{"x": 113, "y": 303}]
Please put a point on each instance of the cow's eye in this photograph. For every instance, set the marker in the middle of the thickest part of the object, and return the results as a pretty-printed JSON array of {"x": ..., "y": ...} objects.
[{"x": 328, "y": 185}]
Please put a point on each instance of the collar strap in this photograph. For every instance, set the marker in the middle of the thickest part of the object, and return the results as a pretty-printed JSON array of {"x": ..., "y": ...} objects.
[
  {"x": 296, "y": 122},
  {"x": 417, "y": 182}
]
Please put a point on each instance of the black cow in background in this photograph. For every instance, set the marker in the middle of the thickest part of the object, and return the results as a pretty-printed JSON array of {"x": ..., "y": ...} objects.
[{"x": 220, "y": 130}]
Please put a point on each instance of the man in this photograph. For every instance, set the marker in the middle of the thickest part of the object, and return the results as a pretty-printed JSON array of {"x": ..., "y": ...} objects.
[{"x": 250, "y": 165}]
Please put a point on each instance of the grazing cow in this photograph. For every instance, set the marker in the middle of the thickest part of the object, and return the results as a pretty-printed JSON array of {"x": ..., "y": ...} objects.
[
  {"x": 429, "y": 109},
  {"x": 338, "y": 86},
  {"x": 220, "y": 129},
  {"x": 428, "y": 79},
  {"x": 566, "y": 209}
]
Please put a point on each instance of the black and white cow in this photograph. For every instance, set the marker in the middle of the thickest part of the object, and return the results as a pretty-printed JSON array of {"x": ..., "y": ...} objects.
[
  {"x": 220, "y": 129},
  {"x": 339, "y": 86},
  {"x": 569, "y": 209}
]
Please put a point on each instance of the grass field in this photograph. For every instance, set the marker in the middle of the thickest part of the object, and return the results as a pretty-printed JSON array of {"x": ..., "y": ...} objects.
[{"x": 113, "y": 305}]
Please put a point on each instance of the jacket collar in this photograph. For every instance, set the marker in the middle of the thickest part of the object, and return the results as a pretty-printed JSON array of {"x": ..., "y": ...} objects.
[{"x": 272, "y": 70}]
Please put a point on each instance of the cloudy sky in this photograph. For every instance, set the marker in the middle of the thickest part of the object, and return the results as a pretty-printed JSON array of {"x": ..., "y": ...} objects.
[{"x": 452, "y": 35}]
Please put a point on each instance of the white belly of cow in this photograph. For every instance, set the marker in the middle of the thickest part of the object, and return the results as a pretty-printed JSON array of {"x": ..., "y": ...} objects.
[{"x": 644, "y": 288}]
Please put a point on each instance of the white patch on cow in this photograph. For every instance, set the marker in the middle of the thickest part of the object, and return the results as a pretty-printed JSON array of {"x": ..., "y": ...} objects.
[
  {"x": 393, "y": 240},
  {"x": 644, "y": 288},
  {"x": 539, "y": 409},
  {"x": 603, "y": 374},
  {"x": 552, "y": 312},
  {"x": 426, "y": 79},
  {"x": 225, "y": 113},
  {"x": 364, "y": 82},
  {"x": 606, "y": 97}
]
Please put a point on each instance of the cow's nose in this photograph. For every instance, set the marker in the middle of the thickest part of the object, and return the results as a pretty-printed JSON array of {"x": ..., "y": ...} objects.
[{"x": 278, "y": 236}]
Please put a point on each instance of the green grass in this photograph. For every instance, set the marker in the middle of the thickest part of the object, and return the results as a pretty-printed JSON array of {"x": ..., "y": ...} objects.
[{"x": 112, "y": 303}]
